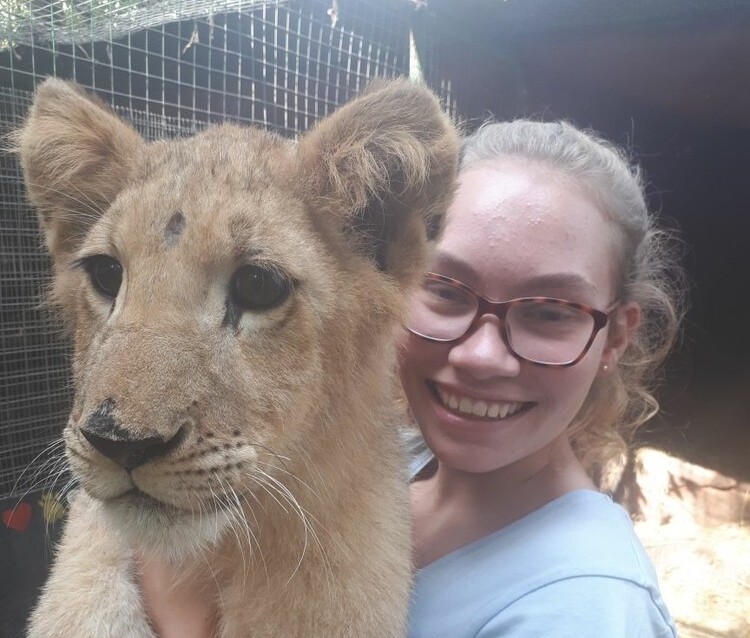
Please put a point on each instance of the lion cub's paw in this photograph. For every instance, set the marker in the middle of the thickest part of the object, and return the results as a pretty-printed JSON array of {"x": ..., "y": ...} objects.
[
  {"x": 95, "y": 626},
  {"x": 91, "y": 591}
]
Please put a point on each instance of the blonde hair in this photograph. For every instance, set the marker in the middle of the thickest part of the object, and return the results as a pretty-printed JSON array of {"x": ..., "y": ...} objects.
[{"x": 648, "y": 273}]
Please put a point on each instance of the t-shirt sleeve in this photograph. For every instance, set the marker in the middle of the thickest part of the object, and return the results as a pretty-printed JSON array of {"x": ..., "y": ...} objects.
[
  {"x": 419, "y": 454},
  {"x": 582, "y": 607}
]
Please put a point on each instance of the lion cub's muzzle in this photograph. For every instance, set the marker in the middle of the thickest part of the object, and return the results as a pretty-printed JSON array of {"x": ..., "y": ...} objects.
[{"x": 127, "y": 451}]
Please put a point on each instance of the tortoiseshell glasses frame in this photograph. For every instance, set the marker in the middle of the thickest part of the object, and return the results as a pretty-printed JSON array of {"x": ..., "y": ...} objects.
[{"x": 582, "y": 341}]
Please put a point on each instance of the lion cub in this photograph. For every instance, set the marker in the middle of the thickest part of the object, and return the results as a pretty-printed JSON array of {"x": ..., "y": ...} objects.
[{"x": 232, "y": 300}]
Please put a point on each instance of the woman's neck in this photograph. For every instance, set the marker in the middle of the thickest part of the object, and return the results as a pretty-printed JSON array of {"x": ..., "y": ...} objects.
[{"x": 453, "y": 508}]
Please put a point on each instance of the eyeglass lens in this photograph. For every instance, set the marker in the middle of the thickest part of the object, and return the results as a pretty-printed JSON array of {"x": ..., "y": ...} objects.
[{"x": 538, "y": 330}]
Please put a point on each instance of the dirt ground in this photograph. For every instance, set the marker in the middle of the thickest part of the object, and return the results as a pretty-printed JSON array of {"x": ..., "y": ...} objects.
[{"x": 694, "y": 524}]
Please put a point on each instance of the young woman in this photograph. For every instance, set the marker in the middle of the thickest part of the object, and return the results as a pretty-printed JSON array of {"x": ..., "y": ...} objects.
[
  {"x": 530, "y": 345},
  {"x": 527, "y": 363}
]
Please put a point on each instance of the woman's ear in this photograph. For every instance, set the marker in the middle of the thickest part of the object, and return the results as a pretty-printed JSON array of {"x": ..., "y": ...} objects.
[{"x": 623, "y": 323}]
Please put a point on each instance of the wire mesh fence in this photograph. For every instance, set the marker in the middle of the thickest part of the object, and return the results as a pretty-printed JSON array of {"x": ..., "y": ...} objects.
[{"x": 170, "y": 68}]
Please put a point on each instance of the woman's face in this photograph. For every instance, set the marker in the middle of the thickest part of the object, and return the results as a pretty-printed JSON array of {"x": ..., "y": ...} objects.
[{"x": 514, "y": 230}]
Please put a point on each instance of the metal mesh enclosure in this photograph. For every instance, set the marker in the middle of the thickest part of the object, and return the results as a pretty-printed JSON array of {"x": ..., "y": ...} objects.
[
  {"x": 33, "y": 360},
  {"x": 170, "y": 68}
]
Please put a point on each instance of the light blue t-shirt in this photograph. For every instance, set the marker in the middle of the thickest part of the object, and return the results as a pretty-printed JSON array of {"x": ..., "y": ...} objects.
[{"x": 571, "y": 569}]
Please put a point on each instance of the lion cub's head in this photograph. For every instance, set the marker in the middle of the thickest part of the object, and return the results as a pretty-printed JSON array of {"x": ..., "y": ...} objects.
[{"x": 231, "y": 296}]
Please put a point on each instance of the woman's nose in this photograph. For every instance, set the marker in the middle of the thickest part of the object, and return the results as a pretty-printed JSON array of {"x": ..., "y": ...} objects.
[{"x": 483, "y": 352}]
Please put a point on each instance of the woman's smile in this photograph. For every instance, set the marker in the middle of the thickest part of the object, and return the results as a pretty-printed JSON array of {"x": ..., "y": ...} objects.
[{"x": 462, "y": 404}]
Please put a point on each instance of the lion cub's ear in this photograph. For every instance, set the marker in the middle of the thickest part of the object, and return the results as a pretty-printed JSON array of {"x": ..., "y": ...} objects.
[
  {"x": 76, "y": 156},
  {"x": 383, "y": 169}
]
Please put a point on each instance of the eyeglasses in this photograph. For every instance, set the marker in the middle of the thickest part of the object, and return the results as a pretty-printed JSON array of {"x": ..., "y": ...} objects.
[{"x": 541, "y": 330}]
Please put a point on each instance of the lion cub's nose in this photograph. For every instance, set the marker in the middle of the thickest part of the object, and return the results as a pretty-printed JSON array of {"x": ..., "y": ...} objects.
[{"x": 114, "y": 442}]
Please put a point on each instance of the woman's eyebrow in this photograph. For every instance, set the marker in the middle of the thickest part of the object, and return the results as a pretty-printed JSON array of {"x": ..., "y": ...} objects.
[
  {"x": 553, "y": 281},
  {"x": 455, "y": 264},
  {"x": 563, "y": 280}
]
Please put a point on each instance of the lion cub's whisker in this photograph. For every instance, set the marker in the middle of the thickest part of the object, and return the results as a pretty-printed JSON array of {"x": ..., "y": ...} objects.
[{"x": 47, "y": 450}]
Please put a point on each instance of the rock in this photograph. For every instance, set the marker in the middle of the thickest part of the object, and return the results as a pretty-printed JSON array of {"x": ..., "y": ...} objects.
[{"x": 694, "y": 523}]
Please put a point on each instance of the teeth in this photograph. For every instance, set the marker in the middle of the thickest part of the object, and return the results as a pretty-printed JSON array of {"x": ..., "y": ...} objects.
[
  {"x": 480, "y": 408},
  {"x": 465, "y": 405},
  {"x": 477, "y": 407}
]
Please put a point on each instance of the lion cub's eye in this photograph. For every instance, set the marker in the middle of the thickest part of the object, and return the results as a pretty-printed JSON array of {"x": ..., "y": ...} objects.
[
  {"x": 259, "y": 288},
  {"x": 105, "y": 274}
]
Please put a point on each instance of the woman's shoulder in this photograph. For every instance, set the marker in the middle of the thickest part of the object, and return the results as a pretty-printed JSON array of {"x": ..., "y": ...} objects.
[
  {"x": 585, "y": 607},
  {"x": 579, "y": 533},
  {"x": 576, "y": 542},
  {"x": 582, "y": 531}
]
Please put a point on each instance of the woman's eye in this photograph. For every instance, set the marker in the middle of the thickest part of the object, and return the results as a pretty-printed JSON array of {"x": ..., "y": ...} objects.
[
  {"x": 105, "y": 274},
  {"x": 547, "y": 315},
  {"x": 446, "y": 292},
  {"x": 259, "y": 288},
  {"x": 551, "y": 314}
]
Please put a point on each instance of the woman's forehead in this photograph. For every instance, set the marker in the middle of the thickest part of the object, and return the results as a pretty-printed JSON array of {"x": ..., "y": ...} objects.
[
  {"x": 505, "y": 206},
  {"x": 514, "y": 185},
  {"x": 521, "y": 224}
]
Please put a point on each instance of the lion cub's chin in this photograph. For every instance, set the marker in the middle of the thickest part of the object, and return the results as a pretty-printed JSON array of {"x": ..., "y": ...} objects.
[{"x": 159, "y": 529}]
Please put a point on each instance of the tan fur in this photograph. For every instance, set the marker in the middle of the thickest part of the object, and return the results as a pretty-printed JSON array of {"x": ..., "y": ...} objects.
[{"x": 289, "y": 488}]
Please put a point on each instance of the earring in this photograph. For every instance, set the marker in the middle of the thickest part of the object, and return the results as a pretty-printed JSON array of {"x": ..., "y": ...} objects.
[{"x": 605, "y": 367}]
